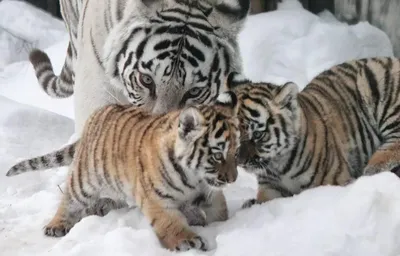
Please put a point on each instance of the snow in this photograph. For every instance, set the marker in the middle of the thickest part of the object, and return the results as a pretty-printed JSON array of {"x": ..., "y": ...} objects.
[
  {"x": 21, "y": 30},
  {"x": 288, "y": 44}
]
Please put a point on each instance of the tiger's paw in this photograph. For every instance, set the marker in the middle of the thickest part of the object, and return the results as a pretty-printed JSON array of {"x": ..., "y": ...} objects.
[
  {"x": 349, "y": 182},
  {"x": 249, "y": 203},
  {"x": 195, "y": 216},
  {"x": 196, "y": 242},
  {"x": 57, "y": 229},
  {"x": 104, "y": 205}
]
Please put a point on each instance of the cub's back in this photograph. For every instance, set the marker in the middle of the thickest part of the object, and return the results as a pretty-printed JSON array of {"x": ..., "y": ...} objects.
[
  {"x": 114, "y": 136},
  {"x": 353, "y": 90}
]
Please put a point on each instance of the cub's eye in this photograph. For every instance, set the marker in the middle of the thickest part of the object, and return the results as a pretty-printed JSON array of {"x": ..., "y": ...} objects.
[
  {"x": 145, "y": 80},
  {"x": 218, "y": 156},
  {"x": 257, "y": 135},
  {"x": 195, "y": 91}
]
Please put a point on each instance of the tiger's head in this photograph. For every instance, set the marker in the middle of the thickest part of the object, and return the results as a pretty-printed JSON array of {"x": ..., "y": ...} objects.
[
  {"x": 173, "y": 53},
  {"x": 208, "y": 139},
  {"x": 269, "y": 117}
]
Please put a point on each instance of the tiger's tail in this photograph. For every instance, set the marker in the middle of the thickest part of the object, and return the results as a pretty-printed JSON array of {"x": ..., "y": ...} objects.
[
  {"x": 61, "y": 86},
  {"x": 61, "y": 157}
]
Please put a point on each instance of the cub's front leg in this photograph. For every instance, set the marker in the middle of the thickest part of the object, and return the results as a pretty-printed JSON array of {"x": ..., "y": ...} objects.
[
  {"x": 171, "y": 228},
  {"x": 265, "y": 193},
  {"x": 213, "y": 203},
  {"x": 195, "y": 216},
  {"x": 386, "y": 158}
]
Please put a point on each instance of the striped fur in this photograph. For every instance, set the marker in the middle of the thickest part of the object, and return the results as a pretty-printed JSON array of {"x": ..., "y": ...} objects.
[
  {"x": 61, "y": 157},
  {"x": 61, "y": 86},
  {"x": 160, "y": 55},
  {"x": 344, "y": 124},
  {"x": 171, "y": 166}
]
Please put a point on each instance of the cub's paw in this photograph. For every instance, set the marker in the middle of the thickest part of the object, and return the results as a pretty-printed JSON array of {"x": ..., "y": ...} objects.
[
  {"x": 249, "y": 203},
  {"x": 371, "y": 170},
  {"x": 349, "y": 182},
  {"x": 104, "y": 205},
  {"x": 196, "y": 242},
  {"x": 56, "y": 230},
  {"x": 195, "y": 216}
]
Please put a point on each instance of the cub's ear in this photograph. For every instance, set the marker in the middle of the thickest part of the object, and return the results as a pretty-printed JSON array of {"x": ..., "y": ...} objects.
[
  {"x": 287, "y": 94},
  {"x": 234, "y": 79},
  {"x": 190, "y": 124},
  {"x": 228, "y": 102}
]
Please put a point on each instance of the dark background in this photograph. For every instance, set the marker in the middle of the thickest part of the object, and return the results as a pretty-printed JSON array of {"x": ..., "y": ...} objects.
[{"x": 315, "y": 6}]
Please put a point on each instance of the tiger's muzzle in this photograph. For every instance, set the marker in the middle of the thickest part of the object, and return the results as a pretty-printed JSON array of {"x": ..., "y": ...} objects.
[
  {"x": 227, "y": 173},
  {"x": 247, "y": 151}
]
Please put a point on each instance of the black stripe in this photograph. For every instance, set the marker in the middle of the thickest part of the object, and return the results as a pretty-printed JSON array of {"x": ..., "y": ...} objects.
[
  {"x": 73, "y": 192},
  {"x": 59, "y": 158},
  {"x": 167, "y": 178},
  {"x": 200, "y": 158},
  {"x": 124, "y": 48},
  {"x": 79, "y": 176},
  {"x": 373, "y": 84},
  {"x": 120, "y": 10},
  {"x": 44, "y": 161},
  {"x": 140, "y": 48},
  {"x": 179, "y": 169},
  {"x": 164, "y": 44}
]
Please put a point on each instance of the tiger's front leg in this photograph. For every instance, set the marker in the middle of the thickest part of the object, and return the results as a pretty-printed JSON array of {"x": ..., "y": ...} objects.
[
  {"x": 265, "y": 193},
  {"x": 214, "y": 205},
  {"x": 386, "y": 158},
  {"x": 171, "y": 228}
]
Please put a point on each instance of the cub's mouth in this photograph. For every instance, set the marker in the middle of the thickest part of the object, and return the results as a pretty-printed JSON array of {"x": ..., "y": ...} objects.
[
  {"x": 254, "y": 164},
  {"x": 215, "y": 182}
]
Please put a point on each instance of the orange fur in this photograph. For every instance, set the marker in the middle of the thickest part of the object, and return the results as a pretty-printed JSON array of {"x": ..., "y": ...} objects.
[
  {"x": 344, "y": 124},
  {"x": 161, "y": 163}
]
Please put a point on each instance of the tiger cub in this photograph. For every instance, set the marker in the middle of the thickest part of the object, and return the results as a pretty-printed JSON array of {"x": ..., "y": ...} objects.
[
  {"x": 344, "y": 124},
  {"x": 157, "y": 162}
]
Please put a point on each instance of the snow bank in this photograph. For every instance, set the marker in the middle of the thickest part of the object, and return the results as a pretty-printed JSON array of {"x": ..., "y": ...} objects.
[
  {"x": 294, "y": 44},
  {"x": 289, "y": 44},
  {"x": 21, "y": 30},
  {"x": 18, "y": 82}
]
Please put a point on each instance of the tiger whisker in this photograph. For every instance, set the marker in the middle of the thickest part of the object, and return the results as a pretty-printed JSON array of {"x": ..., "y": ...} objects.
[{"x": 109, "y": 93}]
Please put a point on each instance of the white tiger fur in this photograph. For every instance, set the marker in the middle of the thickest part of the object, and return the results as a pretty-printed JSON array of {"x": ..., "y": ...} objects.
[{"x": 104, "y": 47}]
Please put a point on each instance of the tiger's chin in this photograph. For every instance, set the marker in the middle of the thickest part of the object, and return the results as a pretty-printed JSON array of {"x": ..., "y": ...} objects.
[
  {"x": 215, "y": 183},
  {"x": 253, "y": 166}
]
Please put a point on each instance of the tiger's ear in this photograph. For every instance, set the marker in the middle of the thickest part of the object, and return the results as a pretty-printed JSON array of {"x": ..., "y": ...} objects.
[
  {"x": 190, "y": 124},
  {"x": 287, "y": 94},
  {"x": 234, "y": 79},
  {"x": 228, "y": 102}
]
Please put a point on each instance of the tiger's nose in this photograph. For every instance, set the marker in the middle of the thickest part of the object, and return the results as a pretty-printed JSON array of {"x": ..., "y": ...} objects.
[{"x": 230, "y": 176}]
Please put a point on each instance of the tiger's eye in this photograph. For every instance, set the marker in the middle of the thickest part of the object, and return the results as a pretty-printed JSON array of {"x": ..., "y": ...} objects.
[
  {"x": 195, "y": 91},
  {"x": 257, "y": 135},
  {"x": 218, "y": 156},
  {"x": 145, "y": 80}
]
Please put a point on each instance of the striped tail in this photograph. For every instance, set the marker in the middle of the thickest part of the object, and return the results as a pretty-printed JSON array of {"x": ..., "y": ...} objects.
[
  {"x": 61, "y": 157},
  {"x": 55, "y": 86}
]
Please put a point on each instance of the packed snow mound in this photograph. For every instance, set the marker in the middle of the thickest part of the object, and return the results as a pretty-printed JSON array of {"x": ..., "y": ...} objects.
[
  {"x": 361, "y": 219},
  {"x": 23, "y": 27}
]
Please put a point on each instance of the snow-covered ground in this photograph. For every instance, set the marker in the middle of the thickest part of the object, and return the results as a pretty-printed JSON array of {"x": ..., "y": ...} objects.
[{"x": 288, "y": 44}]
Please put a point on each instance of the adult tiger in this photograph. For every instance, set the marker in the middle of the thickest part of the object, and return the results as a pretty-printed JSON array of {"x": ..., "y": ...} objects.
[
  {"x": 344, "y": 124},
  {"x": 157, "y": 54}
]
